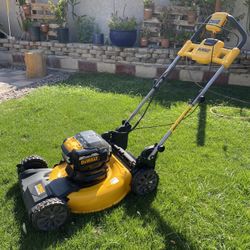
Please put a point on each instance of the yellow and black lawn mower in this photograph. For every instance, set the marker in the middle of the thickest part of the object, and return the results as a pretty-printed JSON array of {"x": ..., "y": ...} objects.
[{"x": 96, "y": 171}]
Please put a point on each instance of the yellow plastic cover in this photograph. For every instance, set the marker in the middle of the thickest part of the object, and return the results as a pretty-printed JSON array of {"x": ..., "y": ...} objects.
[
  {"x": 101, "y": 196},
  {"x": 205, "y": 54},
  {"x": 217, "y": 21}
]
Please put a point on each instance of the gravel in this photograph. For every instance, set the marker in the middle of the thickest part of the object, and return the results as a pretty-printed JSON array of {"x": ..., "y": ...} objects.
[{"x": 52, "y": 78}]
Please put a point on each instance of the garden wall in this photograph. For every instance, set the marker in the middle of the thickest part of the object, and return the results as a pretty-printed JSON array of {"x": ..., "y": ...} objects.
[{"x": 142, "y": 62}]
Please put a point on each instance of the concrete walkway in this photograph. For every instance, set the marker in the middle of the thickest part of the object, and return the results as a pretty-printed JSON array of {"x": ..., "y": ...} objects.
[
  {"x": 14, "y": 78},
  {"x": 13, "y": 82}
]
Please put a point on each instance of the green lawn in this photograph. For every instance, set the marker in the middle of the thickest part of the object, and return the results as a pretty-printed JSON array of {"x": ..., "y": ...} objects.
[{"x": 203, "y": 198}]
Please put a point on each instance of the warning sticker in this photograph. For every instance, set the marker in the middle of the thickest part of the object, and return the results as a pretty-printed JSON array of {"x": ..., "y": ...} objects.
[{"x": 39, "y": 189}]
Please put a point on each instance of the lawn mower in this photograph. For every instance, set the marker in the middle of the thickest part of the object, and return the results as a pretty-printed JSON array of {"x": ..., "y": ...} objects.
[{"x": 96, "y": 172}]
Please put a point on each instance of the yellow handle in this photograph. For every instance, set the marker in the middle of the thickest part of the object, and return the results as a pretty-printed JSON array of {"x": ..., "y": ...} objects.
[{"x": 204, "y": 54}]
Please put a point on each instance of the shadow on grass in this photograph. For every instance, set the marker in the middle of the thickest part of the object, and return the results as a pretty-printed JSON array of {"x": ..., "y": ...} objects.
[
  {"x": 202, "y": 120},
  {"x": 42, "y": 240},
  {"x": 172, "y": 239},
  {"x": 169, "y": 93}
]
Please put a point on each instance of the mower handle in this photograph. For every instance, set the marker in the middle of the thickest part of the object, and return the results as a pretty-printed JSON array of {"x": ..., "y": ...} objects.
[
  {"x": 243, "y": 33},
  {"x": 230, "y": 18}
]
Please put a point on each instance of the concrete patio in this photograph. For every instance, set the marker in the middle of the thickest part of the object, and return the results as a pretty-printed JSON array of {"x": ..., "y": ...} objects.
[
  {"x": 10, "y": 78},
  {"x": 13, "y": 82}
]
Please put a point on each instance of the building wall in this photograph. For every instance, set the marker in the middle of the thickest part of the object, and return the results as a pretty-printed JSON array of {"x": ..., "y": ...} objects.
[
  {"x": 13, "y": 20},
  {"x": 101, "y": 11}
]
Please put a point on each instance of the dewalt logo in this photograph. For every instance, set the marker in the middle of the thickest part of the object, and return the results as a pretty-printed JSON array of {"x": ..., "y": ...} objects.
[
  {"x": 90, "y": 160},
  {"x": 204, "y": 50}
]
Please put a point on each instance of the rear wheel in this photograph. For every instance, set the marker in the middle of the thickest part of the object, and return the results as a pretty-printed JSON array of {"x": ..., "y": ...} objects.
[
  {"x": 50, "y": 214},
  {"x": 145, "y": 181},
  {"x": 31, "y": 162}
]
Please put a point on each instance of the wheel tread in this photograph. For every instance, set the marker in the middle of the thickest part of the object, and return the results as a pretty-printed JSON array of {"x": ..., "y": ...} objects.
[
  {"x": 26, "y": 163},
  {"x": 44, "y": 204},
  {"x": 141, "y": 185}
]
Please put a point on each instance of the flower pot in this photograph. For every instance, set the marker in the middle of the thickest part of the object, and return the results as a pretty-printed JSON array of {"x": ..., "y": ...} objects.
[
  {"x": 27, "y": 9},
  {"x": 144, "y": 42},
  {"x": 98, "y": 39},
  {"x": 164, "y": 43},
  {"x": 63, "y": 35},
  {"x": 148, "y": 13},
  {"x": 191, "y": 17},
  {"x": 43, "y": 36},
  {"x": 123, "y": 38},
  {"x": 34, "y": 32},
  {"x": 44, "y": 28}
]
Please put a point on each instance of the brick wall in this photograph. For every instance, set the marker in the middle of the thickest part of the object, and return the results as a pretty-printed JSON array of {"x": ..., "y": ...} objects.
[{"x": 142, "y": 62}]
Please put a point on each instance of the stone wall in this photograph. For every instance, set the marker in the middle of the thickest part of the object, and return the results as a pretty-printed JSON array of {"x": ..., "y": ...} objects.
[{"x": 142, "y": 62}]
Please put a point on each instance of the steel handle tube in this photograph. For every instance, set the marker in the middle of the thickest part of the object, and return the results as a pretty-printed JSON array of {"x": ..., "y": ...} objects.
[
  {"x": 157, "y": 84},
  {"x": 183, "y": 115}
]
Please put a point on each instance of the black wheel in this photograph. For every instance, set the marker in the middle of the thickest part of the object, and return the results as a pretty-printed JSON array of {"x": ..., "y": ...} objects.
[
  {"x": 144, "y": 181},
  {"x": 31, "y": 162},
  {"x": 50, "y": 214}
]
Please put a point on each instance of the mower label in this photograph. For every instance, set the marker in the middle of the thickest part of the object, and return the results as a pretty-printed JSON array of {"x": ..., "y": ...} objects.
[
  {"x": 39, "y": 189},
  {"x": 90, "y": 160},
  {"x": 204, "y": 50},
  {"x": 214, "y": 21}
]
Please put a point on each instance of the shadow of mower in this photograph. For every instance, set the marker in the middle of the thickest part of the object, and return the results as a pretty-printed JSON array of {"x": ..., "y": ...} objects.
[{"x": 33, "y": 239}]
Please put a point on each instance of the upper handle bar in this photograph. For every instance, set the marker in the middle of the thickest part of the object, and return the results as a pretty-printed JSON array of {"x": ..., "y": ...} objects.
[
  {"x": 243, "y": 33},
  {"x": 215, "y": 23}
]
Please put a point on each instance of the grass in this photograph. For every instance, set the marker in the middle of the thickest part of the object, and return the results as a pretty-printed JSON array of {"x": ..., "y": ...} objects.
[{"x": 203, "y": 199}]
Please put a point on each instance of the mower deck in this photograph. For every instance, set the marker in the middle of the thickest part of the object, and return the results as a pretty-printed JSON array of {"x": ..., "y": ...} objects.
[
  {"x": 54, "y": 183},
  {"x": 102, "y": 195}
]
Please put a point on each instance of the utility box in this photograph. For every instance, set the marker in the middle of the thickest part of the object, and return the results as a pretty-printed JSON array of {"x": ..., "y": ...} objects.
[{"x": 35, "y": 64}]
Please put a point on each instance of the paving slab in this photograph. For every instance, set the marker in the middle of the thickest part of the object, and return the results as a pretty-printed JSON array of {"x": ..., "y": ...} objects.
[
  {"x": 4, "y": 87},
  {"x": 14, "y": 78},
  {"x": 13, "y": 82}
]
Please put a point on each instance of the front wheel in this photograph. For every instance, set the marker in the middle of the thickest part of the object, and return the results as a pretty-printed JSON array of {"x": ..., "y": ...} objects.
[
  {"x": 144, "y": 181},
  {"x": 50, "y": 214}
]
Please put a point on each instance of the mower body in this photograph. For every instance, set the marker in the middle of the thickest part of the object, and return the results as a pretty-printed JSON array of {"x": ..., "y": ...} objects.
[{"x": 44, "y": 183}]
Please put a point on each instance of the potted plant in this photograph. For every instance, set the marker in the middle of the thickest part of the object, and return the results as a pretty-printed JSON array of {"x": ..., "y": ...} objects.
[
  {"x": 166, "y": 31},
  {"x": 98, "y": 37},
  {"x": 60, "y": 11},
  {"x": 85, "y": 28},
  {"x": 192, "y": 14},
  {"x": 181, "y": 37},
  {"x": 34, "y": 31},
  {"x": 148, "y": 9},
  {"x": 123, "y": 30},
  {"x": 145, "y": 34},
  {"x": 44, "y": 28}
]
